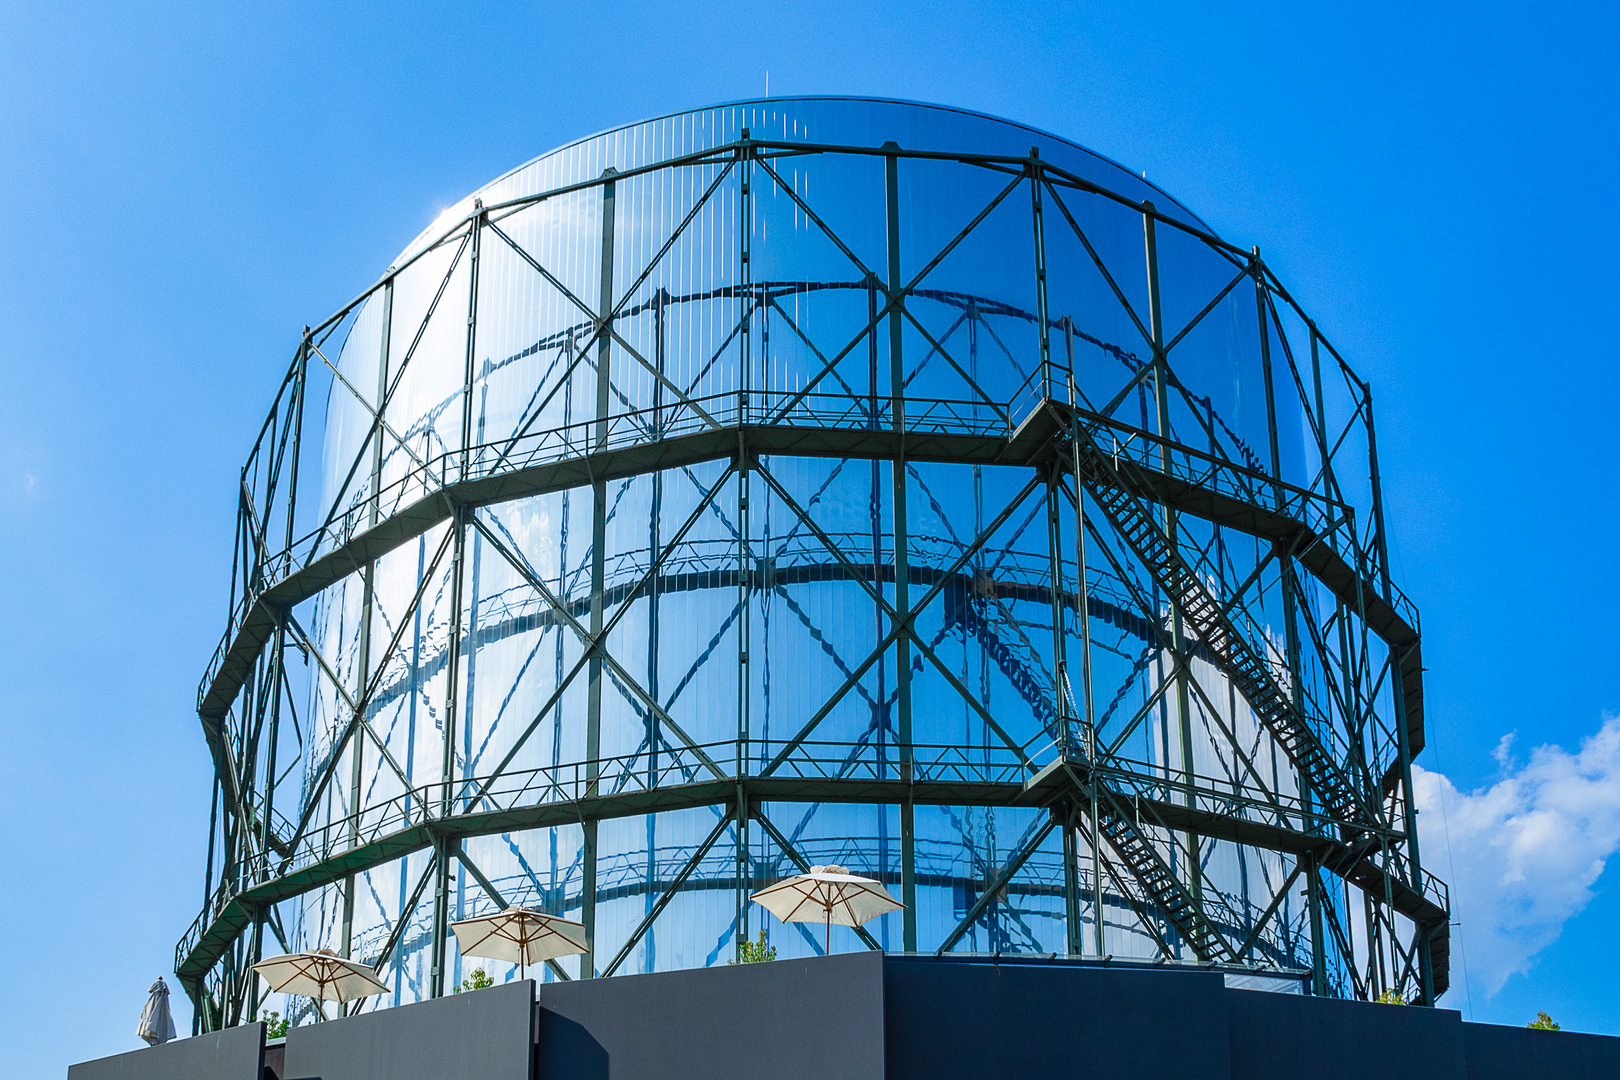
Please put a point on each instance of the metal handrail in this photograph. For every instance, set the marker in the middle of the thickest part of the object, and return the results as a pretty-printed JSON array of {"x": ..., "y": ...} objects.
[{"x": 1324, "y": 516}]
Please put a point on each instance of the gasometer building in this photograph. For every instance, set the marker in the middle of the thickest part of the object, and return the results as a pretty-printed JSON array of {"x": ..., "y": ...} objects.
[{"x": 806, "y": 481}]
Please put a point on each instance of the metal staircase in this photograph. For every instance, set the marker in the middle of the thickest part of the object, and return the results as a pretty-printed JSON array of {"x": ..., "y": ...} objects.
[
  {"x": 1117, "y": 818},
  {"x": 1111, "y": 484},
  {"x": 1119, "y": 821},
  {"x": 1116, "y": 821}
]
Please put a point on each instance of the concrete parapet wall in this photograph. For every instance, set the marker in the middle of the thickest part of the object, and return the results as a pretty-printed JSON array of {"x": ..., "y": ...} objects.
[
  {"x": 864, "y": 1016},
  {"x": 1285, "y": 1037},
  {"x": 1510, "y": 1053},
  {"x": 233, "y": 1054},
  {"x": 485, "y": 1034},
  {"x": 946, "y": 1020},
  {"x": 788, "y": 1020}
]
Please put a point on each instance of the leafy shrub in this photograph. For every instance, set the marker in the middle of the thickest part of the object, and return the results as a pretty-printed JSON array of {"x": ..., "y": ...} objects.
[
  {"x": 754, "y": 952},
  {"x": 478, "y": 980}
]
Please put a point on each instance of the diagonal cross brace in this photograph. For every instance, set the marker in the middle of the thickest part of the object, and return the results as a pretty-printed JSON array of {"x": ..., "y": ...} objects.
[
  {"x": 899, "y": 627},
  {"x": 593, "y": 644},
  {"x": 988, "y": 896},
  {"x": 894, "y": 616},
  {"x": 668, "y": 894}
]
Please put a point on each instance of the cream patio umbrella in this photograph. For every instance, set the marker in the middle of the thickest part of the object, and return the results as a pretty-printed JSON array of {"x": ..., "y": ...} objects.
[
  {"x": 827, "y": 894},
  {"x": 157, "y": 1023},
  {"x": 322, "y": 974},
  {"x": 521, "y": 936}
]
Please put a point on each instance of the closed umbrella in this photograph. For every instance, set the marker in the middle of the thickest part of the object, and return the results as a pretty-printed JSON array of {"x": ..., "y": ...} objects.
[
  {"x": 827, "y": 894},
  {"x": 322, "y": 974},
  {"x": 520, "y": 936},
  {"x": 157, "y": 1023}
]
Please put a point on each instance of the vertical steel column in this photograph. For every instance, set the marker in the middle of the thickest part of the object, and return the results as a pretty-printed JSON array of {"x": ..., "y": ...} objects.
[
  {"x": 276, "y": 674},
  {"x": 470, "y": 375},
  {"x": 1063, "y": 684},
  {"x": 1162, "y": 388},
  {"x": 278, "y": 656},
  {"x": 555, "y": 882},
  {"x": 1398, "y": 695},
  {"x": 242, "y": 760},
  {"x": 902, "y": 567},
  {"x": 368, "y": 576},
  {"x": 255, "y": 947},
  {"x": 1083, "y": 604},
  {"x": 1358, "y": 676},
  {"x": 1257, "y": 271},
  {"x": 278, "y": 662},
  {"x": 604, "y": 342},
  {"x": 1073, "y": 920},
  {"x": 660, "y": 306},
  {"x": 593, "y": 706},
  {"x": 745, "y": 275},
  {"x": 751, "y": 304},
  {"x": 1043, "y": 328},
  {"x": 469, "y": 694},
  {"x": 1314, "y": 902},
  {"x": 1330, "y": 487},
  {"x": 228, "y": 870},
  {"x": 1285, "y": 564},
  {"x": 1295, "y": 645},
  {"x": 443, "y": 848},
  {"x": 1329, "y": 482},
  {"x": 1054, "y": 476},
  {"x": 213, "y": 826}
]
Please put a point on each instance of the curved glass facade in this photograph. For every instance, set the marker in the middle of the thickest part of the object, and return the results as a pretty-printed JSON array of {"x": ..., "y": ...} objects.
[{"x": 819, "y": 481}]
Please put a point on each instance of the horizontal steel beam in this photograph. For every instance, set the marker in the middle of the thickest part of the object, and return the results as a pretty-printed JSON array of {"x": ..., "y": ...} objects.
[
  {"x": 237, "y": 912},
  {"x": 1033, "y": 440}
]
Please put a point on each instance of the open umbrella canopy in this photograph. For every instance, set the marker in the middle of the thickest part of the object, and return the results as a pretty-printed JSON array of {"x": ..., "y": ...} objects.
[
  {"x": 157, "y": 1023},
  {"x": 322, "y": 974},
  {"x": 828, "y": 895},
  {"x": 520, "y": 936}
]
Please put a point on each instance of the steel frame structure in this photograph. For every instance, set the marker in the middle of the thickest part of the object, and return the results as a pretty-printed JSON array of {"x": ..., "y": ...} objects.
[{"x": 1135, "y": 518}]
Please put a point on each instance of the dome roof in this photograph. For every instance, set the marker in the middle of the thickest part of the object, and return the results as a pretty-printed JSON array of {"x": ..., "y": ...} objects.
[{"x": 824, "y": 120}]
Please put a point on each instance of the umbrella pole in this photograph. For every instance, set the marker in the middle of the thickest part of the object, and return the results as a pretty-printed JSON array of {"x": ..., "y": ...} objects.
[{"x": 829, "y": 930}]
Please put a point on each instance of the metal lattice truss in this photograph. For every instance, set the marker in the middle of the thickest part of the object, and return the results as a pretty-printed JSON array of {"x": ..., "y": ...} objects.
[{"x": 1204, "y": 661}]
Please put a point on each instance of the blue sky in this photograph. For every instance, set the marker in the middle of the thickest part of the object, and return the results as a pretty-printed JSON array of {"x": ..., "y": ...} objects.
[{"x": 182, "y": 189}]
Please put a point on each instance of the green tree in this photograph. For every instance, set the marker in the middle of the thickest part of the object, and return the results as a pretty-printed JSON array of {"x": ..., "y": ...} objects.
[
  {"x": 478, "y": 980},
  {"x": 1543, "y": 1022},
  {"x": 275, "y": 1025},
  {"x": 754, "y": 952},
  {"x": 1390, "y": 997}
]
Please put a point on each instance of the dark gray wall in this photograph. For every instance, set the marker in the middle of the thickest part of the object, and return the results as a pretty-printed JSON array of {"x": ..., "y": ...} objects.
[
  {"x": 481, "y": 1035},
  {"x": 1286, "y": 1037},
  {"x": 232, "y": 1054},
  {"x": 1508, "y": 1053},
  {"x": 786, "y": 1020},
  {"x": 948, "y": 1019},
  {"x": 861, "y": 1016}
]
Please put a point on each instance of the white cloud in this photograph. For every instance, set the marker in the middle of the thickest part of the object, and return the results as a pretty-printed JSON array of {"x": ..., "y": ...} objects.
[{"x": 1525, "y": 851}]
